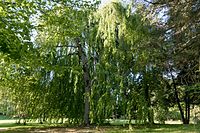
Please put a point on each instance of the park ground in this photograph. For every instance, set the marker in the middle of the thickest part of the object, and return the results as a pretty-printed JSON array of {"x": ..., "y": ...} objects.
[{"x": 9, "y": 126}]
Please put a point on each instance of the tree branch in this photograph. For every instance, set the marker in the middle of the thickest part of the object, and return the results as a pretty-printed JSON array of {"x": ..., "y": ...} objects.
[
  {"x": 67, "y": 46},
  {"x": 154, "y": 3}
]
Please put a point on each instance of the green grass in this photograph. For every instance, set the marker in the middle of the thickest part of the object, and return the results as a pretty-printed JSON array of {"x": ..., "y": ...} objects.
[
  {"x": 9, "y": 126},
  {"x": 4, "y": 117},
  {"x": 15, "y": 128},
  {"x": 114, "y": 129}
]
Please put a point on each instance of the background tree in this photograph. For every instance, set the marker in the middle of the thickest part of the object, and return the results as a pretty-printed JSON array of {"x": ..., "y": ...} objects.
[{"x": 181, "y": 22}]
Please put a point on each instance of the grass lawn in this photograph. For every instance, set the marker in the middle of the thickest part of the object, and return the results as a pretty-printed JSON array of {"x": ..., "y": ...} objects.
[
  {"x": 107, "y": 129},
  {"x": 47, "y": 128}
]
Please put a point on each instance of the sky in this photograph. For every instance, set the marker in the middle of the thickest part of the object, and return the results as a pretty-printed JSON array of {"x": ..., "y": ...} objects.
[{"x": 104, "y": 2}]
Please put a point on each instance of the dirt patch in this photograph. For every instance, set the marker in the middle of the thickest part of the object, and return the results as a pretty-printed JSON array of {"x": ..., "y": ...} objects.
[
  {"x": 63, "y": 130},
  {"x": 67, "y": 130},
  {"x": 3, "y": 129}
]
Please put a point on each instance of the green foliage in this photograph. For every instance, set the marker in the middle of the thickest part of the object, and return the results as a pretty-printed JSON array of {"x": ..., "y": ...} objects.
[
  {"x": 15, "y": 27},
  {"x": 127, "y": 56}
]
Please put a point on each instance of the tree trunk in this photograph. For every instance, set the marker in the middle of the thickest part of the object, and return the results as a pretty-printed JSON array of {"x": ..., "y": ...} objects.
[
  {"x": 177, "y": 98},
  {"x": 129, "y": 122},
  {"x": 187, "y": 109},
  {"x": 199, "y": 59},
  {"x": 148, "y": 100},
  {"x": 87, "y": 86}
]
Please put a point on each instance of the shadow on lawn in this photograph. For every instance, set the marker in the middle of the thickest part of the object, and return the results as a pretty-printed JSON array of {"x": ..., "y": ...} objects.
[
  {"x": 107, "y": 129},
  {"x": 176, "y": 128}
]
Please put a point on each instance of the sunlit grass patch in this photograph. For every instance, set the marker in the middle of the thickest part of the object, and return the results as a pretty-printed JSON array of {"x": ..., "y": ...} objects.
[{"x": 120, "y": 126}]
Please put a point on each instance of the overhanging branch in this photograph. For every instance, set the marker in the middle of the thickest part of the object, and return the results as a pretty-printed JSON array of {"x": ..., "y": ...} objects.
[{"x": 72, "y": 46}]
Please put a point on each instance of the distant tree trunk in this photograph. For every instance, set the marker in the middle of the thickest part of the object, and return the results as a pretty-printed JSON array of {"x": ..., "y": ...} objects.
[
  {"x": 148, "y": 100},
  {"x": 19, "y": 121},
  {"x": 44, "y": 117},
  {"x": 84, "y": 62},
  {"x": 199, "y": 59},
  {"x": 187, "y": 108},
  {"x": 129, "y": 122}
]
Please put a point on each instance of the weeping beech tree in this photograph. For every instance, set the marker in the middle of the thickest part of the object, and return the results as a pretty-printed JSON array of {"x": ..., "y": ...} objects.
[
  {"x": 47, "y": 84},
  {"x": 88, "y": 66},
  {"x": 121, "y": 63},
  {"x": 66, "y": 31}
]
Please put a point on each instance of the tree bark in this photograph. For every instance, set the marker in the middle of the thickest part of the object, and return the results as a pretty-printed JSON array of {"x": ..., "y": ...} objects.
[
  {"x": 84, "y": 61},
  {"x": 148, "y": 100},
  {"x": 177, "y": 98},
  {"x": 199, "y": 59},
  {"x": 187, "y": 109}
]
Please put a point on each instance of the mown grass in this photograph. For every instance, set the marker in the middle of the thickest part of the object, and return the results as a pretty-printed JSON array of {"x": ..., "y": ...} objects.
[
  {"x": 114, "y": 128},
  {"x": 107, "y": 129}
]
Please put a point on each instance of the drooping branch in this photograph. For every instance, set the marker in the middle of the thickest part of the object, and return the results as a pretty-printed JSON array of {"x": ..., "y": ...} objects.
[
  {"x": 154, "y": 3},
  {"x": 71, "y": 46}
]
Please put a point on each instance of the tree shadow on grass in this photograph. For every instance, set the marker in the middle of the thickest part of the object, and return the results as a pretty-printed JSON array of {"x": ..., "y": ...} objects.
[
  {"x": 168, "y": 128},
  {"x": 176, "y": 128}
]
